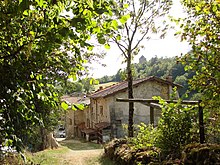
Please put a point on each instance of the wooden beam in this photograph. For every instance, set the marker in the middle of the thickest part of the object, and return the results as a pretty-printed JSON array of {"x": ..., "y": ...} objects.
[
  {"x": 155, "y": 105},
  {"x": 152, "y": 115},
  {"x": 201, "y": 124},
  {"x": 189, "y": 102}
]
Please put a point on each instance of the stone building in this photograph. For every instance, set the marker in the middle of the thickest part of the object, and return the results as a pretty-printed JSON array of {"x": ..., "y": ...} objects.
[
  {"x": 74, "y": 121},
  {"x": 104, "y": 108}
]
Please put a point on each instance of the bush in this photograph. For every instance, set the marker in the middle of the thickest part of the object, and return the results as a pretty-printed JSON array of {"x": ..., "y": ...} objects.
[
  {"x": 146, "y": 136},
  {"x": 174, "y": 127}
]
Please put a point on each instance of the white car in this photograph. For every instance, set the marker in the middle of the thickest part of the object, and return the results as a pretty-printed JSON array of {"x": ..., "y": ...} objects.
[{"x": 62, "y": 133}]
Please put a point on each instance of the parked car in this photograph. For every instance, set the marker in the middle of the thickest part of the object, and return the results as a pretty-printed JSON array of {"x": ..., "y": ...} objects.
[{"x": 62, "y": 133}]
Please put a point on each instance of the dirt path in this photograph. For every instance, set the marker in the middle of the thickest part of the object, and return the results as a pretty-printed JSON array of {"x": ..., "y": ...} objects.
[
  {"x": 83, "y": 153},
  {"x": 84, "y": 157}
]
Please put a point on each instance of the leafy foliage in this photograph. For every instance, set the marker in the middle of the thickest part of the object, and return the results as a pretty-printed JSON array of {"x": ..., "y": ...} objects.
[
  {"x": 86, "y": 85},
  {"x": 174, "y": 127},
  {"x": 41, "y": 46},
  {"x": 201, "y": 30},
  {"x": 146, "y": 136}
]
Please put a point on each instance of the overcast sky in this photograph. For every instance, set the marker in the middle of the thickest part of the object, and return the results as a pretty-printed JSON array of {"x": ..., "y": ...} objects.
[{"x": 168, "y": 47}]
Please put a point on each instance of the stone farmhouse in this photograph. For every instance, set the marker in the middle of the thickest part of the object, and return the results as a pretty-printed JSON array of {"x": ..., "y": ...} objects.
[
  {"x": 105, "y": 109},
  {"x": 74, "y": 121},
  {"x": 104, "y": 118}
]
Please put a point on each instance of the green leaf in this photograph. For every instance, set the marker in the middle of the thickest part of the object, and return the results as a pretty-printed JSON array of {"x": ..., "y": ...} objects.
[
  {"x": 107, "y": 46},
  {"x": 124, "y": 18},
  {"x": 64, "y": 105},
  {"x": 25, "y": 12},
  {"x": 41, "y": 2},
  {"x": 197, "y": 8},
  {"x": 80, "y": 106},
  {"x": 93, "y": 81},
  {"x": 74, "y": 108},
  {"x": 73, "y": 76},
  {"x": 214, "y": 8},
  {"x": 118, "y": 37},
  {"x": 32, "y": 75},
  {"x": 39, "y": 77},
  {"x": 114, "y": 24},
  {"x": 101, "y": 40},
  {"x": 123, "y": 21},
  {"x": 125, "y": 6}
]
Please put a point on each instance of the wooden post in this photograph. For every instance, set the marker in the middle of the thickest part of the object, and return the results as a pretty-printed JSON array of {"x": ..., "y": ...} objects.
[
  {"x": 152, "y": 115},
  {"x": 201, "y": 124}
]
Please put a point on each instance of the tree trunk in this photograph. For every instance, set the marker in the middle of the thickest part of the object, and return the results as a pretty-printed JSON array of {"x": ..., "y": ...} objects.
[
  {"x": 43, "y": 138},
  {"x": 130, "y": 96},
  {"x": 48, "y": 141}
]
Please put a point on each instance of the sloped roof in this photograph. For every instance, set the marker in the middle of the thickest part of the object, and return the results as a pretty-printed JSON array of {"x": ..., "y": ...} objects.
[
  {"x": 124, "y": 85},
  {"x": 76, "y": 100}
]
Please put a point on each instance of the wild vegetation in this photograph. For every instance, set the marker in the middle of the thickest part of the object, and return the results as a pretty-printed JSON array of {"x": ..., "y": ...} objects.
[
  {"x": 177, "y": 126},
  {"x": 45, "y": 43},
  {"x": 161, "y": 67},
  {"x": 42, "y": 45}
]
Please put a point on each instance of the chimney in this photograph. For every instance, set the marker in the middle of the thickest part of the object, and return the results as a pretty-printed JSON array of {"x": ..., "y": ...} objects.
[{"x": 100, "y": 88}]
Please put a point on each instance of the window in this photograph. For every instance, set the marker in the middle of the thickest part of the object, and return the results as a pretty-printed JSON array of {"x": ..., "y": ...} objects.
[
  {"x": 88, "y": 123},
  {"x": 101, "y": 110}
]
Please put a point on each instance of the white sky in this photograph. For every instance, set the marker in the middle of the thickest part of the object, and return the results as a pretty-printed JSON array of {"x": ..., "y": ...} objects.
[{"x": 168, "y": 47}]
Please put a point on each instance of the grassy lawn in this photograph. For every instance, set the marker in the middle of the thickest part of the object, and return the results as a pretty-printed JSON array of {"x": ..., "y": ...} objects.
[
  {"x": 80, "y": 145},
  {"x": 48, "y": 157},
  {"x": 71, "y": 152},
  {"x": 99, "y": 160}
]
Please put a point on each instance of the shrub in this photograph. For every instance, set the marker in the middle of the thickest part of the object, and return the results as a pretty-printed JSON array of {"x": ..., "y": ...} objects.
[
  {"x": 174, "y": 127},
  {"x": 146, "y": 136}
]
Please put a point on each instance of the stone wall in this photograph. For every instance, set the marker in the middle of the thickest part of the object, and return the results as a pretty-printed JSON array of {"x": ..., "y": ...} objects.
[{"x": 117, "y": 112}]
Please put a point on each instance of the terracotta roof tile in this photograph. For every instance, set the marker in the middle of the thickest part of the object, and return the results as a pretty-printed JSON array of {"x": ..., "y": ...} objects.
[
  {"x": 124, "y": 85},
  {"x": 76, "y": 100}
]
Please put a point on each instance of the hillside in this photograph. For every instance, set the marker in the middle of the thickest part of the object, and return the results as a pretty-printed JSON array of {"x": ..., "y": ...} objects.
[{"x": 160, "y": 67}]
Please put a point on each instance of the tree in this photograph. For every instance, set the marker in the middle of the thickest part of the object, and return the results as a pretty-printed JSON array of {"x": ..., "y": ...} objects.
[
  {"x": 137, "y": 22},
  {"x": 201, "y": 29},
  {"x": 41, "y": 46}
]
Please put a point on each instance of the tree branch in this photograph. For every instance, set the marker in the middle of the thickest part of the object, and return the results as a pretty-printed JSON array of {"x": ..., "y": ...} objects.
[{"x": 120, "y": 46}]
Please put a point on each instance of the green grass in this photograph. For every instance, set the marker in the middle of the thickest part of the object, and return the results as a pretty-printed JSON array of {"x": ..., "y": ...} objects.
[
  {"x": 47, "y": 157},
  {"x": 101, "y": 160},
  {"x": 80, "y": 145},
  {"x": 62, "y": 155}
]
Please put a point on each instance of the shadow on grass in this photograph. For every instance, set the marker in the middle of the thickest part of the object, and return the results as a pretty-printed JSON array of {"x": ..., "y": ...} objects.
[
  {"x": 80, "y": 144},
  {"x": 103, "y": 160}
]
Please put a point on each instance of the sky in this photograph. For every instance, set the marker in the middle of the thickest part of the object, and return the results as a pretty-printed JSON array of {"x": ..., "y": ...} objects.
[{"x": 170, "y": 46}]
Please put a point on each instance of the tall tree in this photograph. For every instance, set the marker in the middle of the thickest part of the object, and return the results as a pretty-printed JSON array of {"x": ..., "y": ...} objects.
[
  {"x": 41, "y": 45},
  {"x": 201, "y": 29},
  {"x": 138, "y": 20}
]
